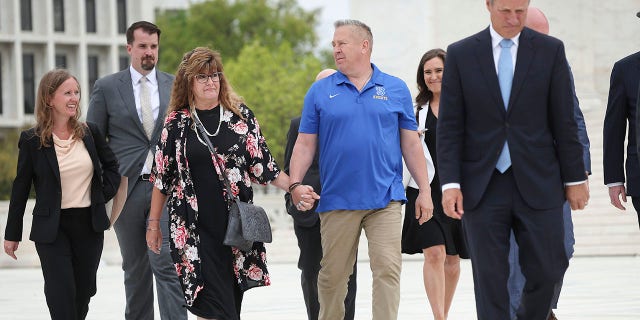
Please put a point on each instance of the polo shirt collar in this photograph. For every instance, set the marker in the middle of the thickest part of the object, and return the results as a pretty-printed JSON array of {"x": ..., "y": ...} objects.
[{"x": 375, "y": 77}]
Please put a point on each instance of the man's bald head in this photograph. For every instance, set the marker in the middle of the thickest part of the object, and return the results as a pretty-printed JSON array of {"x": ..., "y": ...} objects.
[
  {"x": 325, "y": 73},
  {"x": 537, "y": 21}
]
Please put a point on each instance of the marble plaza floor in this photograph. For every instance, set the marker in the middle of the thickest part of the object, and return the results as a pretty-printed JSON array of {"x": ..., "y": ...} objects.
[{"x": 594, "y": 288}]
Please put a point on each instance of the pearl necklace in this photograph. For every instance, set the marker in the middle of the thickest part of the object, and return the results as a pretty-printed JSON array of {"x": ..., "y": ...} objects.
[
  {"x": 205, "y": 129},
  {"x": 195, "y": 114}
]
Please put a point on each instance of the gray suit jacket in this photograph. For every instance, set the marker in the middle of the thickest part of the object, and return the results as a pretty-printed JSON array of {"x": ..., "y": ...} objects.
[{"x": 113, "y": 109}]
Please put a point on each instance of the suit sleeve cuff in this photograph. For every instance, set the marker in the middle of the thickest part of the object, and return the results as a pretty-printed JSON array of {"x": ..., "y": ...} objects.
[
  {"x": 575, "y": 183},
  {"x": 450, "y": 186},
  {"x": 615, "y": 184}
]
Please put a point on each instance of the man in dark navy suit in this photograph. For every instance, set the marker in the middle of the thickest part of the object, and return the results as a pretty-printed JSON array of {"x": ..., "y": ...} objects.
[
  {"x": 507, "y": 141},
  {"x": 537, "y": 21},
  {"x": 622, "y": 109}
]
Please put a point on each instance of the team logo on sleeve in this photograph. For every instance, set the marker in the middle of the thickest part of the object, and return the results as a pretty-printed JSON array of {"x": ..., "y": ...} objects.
[{"x": 380, "y": 94}]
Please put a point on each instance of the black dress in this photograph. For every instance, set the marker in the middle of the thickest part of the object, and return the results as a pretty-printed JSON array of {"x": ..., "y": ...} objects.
[
  {"x": 440, "y": 229},
  {"x": 221, "y": 297}
]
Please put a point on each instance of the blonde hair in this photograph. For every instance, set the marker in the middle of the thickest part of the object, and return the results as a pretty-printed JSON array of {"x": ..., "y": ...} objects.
[
  {"x": 201, "y": 60},
  {"x": 49, "y": 83}
]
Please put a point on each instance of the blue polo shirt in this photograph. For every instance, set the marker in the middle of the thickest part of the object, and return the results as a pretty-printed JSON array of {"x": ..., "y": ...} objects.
[{"x": 359, "y": 139}]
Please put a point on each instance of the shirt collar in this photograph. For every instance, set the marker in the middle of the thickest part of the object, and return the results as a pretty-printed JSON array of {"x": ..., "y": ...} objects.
[
  {"x": 342, "y": 78},
  {"x": 135, "y": 76},
  {"x": 496, "y": 38}
]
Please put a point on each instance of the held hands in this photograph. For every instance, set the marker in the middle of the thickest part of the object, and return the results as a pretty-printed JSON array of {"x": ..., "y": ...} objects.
[
  {"x": 424, "y": 206},
  {"x": 617, "y": 193},
  {"x": 10, "y": 247},
  {"x": 577, "y": 195},
  {"x": 452, "y": 203},
  {"x": 154, "y": 236},
  {"x": 303, "y": 196}
]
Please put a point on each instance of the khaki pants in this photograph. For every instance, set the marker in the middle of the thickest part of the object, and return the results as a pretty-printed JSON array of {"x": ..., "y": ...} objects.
[{"x": 340, "y": 231}]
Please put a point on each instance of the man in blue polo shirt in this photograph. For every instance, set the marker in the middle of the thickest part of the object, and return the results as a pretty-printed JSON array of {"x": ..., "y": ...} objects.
[{"x": 362, "y": 122}]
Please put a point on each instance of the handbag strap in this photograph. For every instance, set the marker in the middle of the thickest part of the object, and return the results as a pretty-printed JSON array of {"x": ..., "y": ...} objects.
[{"x": 214, "y": 154}]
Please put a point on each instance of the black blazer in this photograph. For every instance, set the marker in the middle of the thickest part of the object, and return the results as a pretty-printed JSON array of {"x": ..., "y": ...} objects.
[
  {"x": 622, "y": 109},
  {"x": 39, "y": 165},
  {"x": 539, "y": 124}
]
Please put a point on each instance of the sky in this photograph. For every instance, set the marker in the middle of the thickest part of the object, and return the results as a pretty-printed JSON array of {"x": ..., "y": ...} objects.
[{"x": 332, "y": 10}]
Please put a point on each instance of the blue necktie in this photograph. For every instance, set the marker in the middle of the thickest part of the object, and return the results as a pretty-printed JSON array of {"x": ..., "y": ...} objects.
[{"x": 505, "y": 78}]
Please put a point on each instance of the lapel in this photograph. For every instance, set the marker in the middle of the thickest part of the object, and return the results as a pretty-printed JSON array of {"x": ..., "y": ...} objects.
[
  {"x": 523, "y": 61},
  {"x": 635, "y": 76},
  {"x": 91, "y": 149},
  {"x": 52, "y": 159},
  {"x": 484, "y": 54},
  {"x": 634, "y": 73},
  {"x": 125, "y": 87}
]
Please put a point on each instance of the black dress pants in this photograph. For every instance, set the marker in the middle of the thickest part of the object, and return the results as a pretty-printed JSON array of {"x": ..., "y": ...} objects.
[{"x": 69, "y": 265}]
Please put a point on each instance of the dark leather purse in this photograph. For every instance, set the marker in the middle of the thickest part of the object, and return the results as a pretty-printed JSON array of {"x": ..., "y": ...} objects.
[{"x": 248, "y": 223}]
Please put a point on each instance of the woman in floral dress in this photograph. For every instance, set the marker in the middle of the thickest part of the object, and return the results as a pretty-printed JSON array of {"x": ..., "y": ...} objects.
[{"x": 186, "y": 176}]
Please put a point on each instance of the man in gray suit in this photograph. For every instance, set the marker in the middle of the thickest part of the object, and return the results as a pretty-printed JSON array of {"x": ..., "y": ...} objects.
[{"x": 129, "y": 108}]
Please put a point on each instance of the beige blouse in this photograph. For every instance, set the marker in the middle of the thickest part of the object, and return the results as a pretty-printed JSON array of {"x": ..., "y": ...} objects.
[{"x": 76, "y": 172}]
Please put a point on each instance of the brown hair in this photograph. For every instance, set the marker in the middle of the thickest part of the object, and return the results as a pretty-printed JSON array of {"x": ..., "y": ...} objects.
[
  {"x": 49, "y": 83},
  {"x": 201, "y": 60},
  {"x": 146, "y": 26},
  {"x": 424, "y": 94}
]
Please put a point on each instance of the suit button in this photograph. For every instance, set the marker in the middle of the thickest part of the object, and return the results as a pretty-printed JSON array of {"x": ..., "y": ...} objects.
[{"x": 506, "y": 124}]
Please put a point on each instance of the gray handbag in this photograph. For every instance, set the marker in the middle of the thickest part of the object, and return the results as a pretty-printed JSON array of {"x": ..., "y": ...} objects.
[{"x": 248, "y": 223}]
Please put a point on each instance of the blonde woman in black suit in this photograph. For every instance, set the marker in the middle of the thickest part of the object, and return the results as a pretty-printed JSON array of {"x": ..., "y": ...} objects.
[{"x": 74, "y": 173}]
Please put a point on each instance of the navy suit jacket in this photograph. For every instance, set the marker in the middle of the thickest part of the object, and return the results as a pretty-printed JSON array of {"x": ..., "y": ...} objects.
[
  {"x": 539, "y": 124},
  {"x": 39, "y": 165},
  {"x": 621, "y": 109},
  {"x": 582, "y": 129}
]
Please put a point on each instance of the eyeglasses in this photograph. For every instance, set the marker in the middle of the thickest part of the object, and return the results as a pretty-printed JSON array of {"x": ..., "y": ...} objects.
[{"x": 204, "y": 78}]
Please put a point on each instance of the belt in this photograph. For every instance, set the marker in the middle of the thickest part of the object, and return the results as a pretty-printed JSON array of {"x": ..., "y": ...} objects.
[{"x": 144, "y": 177}]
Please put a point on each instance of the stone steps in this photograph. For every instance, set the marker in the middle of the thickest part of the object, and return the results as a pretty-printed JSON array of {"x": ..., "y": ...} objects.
[{"x": 602, "y": 229}]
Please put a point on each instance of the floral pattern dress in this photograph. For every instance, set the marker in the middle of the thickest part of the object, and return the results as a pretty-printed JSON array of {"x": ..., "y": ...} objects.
[{"x": 245, "y": 161}]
